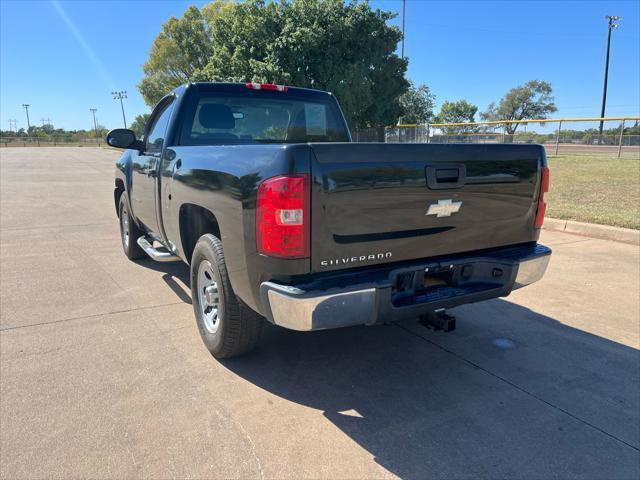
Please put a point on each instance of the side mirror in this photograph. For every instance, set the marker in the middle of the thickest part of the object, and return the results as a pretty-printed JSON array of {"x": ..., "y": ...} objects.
[{"x": 123, "y": 138}]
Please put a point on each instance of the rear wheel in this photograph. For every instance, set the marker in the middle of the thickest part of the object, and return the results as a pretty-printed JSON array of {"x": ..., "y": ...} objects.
[
  {"x": 228, "y": 327},
  {"x": 129, "y": 231}
]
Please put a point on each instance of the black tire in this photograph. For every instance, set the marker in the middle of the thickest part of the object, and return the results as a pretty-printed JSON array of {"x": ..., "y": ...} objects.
[
  {"x": 129, "y": 231},
  {"x": 228, "y": 328}
]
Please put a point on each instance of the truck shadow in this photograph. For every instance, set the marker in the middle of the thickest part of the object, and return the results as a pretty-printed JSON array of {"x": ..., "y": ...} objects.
[
  {"x": 511, "y": 393},
  {"x": 174, "y": 274}
]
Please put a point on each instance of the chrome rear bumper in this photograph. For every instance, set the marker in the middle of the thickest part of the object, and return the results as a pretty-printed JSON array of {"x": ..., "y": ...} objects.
[
  {"x": 530, "y": 271},
  {"x": 299, "y": 310},
  {"x": 366, "y": 304}
]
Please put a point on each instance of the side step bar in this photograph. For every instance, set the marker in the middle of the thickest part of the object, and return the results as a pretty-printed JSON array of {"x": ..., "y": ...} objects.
[{"x": 155, "y": 254}]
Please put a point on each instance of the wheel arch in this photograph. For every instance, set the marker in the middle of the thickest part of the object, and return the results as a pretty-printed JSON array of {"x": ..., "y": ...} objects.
[
  {"x": 195, "y": 221},
  {"x": 117, "y": 193},
  {"x": 123, "y": 180}
]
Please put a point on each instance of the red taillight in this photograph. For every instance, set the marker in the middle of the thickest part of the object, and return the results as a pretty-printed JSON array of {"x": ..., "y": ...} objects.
[
  {"x": 271, "y": 87},
  {"x": 282, "y": 216},
  {"x": 544, "y": 188}
]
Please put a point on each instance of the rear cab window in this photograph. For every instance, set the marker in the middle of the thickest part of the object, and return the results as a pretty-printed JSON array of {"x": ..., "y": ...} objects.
[{"x": 253, "y": 117}]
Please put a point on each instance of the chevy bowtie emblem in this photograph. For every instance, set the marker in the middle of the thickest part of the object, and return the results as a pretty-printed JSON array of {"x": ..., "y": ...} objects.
[{"x": 444, "y": 208}]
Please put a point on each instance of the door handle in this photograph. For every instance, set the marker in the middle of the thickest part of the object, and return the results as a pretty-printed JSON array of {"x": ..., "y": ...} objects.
[{"x": 446, "y": 176}]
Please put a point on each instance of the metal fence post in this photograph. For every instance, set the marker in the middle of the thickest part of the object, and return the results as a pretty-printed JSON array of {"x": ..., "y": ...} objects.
[
  {"x": 428, "y": 139},
  {"x": 504, "y": 133},
  {"x": 621, "y": 135},
  {"x": 558, "y": 137}
]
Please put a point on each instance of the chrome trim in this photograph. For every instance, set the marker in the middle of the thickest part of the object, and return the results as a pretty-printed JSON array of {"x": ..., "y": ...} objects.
[
  {"x": 530, "y": 271},
  {"x": 299, "y": 310},
  {"x": 363, "y": 304},
  {"x": 156, "y": 254},
  {"x": 444, "y": 208}
]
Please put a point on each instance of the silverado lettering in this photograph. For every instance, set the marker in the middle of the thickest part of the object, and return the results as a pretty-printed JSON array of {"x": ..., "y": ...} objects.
[{"x": 361, "y": 258}]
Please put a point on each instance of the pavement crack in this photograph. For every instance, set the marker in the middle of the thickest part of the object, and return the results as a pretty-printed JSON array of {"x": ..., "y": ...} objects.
[
  {"x": 568, "y": 242},
  {"x": 92, "y": 315},
  {"x": 517, "y": 387},
  {"x": 43, "y": 227},
  {"x": 252, "y": 445}
]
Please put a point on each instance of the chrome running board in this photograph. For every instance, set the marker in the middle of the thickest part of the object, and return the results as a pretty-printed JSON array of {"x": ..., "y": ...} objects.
[{"x": 155, "y": 254}]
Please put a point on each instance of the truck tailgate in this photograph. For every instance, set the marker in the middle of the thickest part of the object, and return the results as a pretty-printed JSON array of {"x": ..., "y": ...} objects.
[{"x": 380, "y": 203}]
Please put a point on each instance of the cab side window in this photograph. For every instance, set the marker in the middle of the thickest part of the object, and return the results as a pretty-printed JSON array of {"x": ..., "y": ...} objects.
[{"x": 155, "y": 138}]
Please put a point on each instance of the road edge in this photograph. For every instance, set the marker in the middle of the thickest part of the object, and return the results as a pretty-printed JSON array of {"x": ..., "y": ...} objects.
[{"x": 594, "y": 230}]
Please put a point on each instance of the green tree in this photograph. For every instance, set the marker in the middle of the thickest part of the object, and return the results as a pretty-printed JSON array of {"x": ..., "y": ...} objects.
[
  {"x": 533, "y": 101},
  {"x": 178, "y": 55},
  {"x": 139, "y": 124},
  {"x": 48, "y": 129},
  {"x": 416, "y": 104},
  {"x": 457, "y": 112},
  {"x": 346, "y": 48},
  {"x": 93, "y": 133}
]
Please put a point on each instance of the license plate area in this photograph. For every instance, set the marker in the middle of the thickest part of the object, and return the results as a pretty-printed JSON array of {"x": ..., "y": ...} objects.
[{"x": 439, "y": 280}]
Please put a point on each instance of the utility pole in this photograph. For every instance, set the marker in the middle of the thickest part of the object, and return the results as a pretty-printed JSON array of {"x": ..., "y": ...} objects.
[
  {"x": 45, "y": 121},
  {"x": 404, "y": 6},
  {"x": 26, "y": 109},
  {"x": 119, "y": 96},
  {"x": 95, "y": 124},
  {"x": 611, "y": 19}
]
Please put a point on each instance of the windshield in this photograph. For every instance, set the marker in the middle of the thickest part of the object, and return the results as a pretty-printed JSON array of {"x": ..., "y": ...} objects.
[{"x": 232, "y": 118}]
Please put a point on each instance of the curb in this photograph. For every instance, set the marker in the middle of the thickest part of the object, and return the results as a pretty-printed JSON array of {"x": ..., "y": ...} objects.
[{"x": 604, "y": 232}]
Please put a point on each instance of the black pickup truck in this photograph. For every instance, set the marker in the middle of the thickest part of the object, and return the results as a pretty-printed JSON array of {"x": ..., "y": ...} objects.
[{"x": 259, "y": 189}]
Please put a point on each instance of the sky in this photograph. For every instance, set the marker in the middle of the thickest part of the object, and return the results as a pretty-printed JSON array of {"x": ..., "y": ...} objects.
[{"x": 65, "y": 57}]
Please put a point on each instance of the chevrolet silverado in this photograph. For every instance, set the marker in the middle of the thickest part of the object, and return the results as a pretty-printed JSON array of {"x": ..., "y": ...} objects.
[{"x": 260, "y": 190}]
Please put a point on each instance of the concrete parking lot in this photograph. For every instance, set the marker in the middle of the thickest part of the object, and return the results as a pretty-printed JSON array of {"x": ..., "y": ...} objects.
[{"x": 103, "y": 374}]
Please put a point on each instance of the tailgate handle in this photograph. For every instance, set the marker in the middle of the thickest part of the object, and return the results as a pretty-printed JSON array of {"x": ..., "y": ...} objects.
[{"x": 446, "y": 176}]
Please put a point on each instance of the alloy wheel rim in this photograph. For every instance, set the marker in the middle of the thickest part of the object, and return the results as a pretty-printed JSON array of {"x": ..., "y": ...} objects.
[{"x": 208, "y": 297}]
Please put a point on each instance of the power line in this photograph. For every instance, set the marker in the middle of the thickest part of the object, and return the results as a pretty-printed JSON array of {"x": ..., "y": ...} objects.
[
  {"x": 512, "y": 32},
  {"x": 564, "y": 107}
]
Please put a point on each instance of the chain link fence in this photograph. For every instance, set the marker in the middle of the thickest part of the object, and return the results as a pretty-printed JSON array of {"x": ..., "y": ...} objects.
[
  {"x": 50, "y": 141},
  {"x": 620, "y": 135}
]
